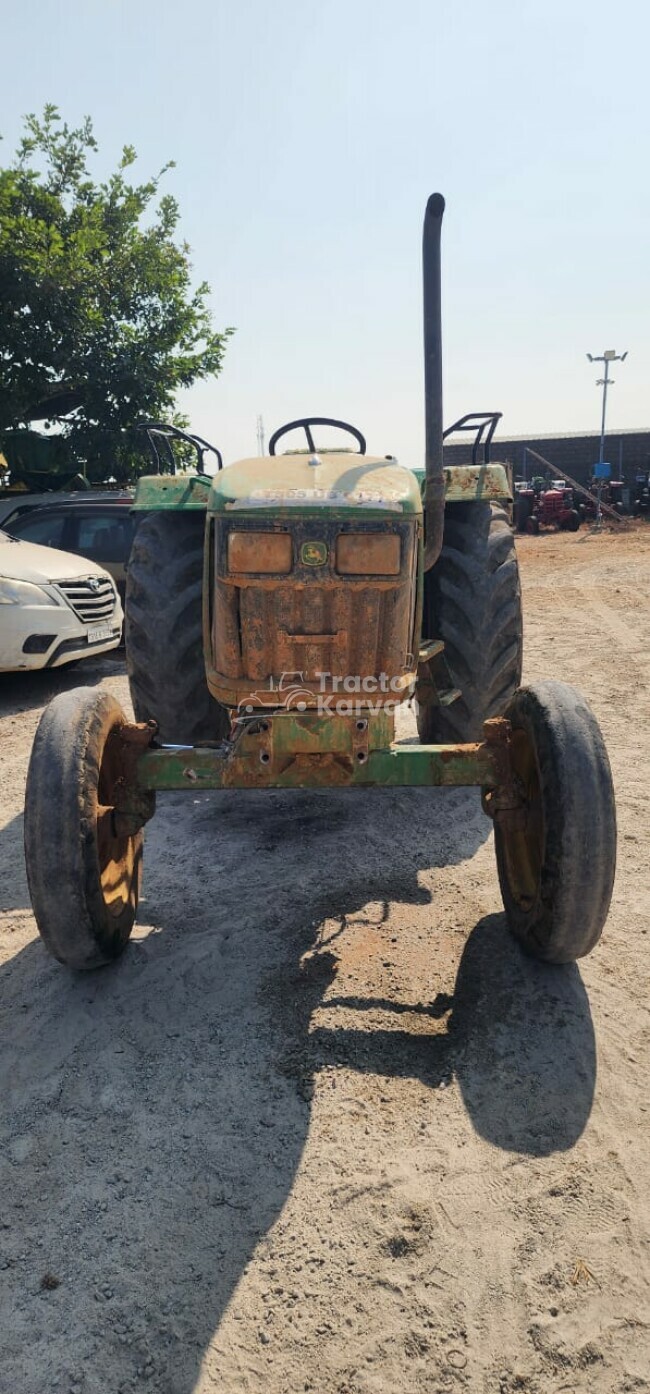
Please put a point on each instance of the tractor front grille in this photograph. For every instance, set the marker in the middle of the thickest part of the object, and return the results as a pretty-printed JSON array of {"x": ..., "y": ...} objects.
[
  {"x": 92, "y": 598},
  {"x": 324, "y": 625}
]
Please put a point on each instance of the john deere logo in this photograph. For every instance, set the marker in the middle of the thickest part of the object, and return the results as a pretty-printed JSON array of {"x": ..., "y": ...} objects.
[{"x": 313, "y": 553}]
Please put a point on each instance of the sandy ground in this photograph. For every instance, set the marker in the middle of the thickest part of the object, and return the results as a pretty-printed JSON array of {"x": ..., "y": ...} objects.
[{"x": 324, "y": 1128}]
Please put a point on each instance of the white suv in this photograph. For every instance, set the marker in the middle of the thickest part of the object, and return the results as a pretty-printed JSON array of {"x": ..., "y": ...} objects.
[{"x": 54, "y": 607}]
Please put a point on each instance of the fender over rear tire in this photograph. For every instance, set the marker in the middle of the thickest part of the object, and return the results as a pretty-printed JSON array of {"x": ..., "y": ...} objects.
[
  {"x": 473, "y": 603},
  {"x": 164, "y": 630},
  {"x": 84, "y": 879},
  {"x": 556, "y": 869}
]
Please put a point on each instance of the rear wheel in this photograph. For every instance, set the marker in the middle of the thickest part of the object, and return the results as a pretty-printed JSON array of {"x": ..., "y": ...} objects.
[
  {"x": 533, "y": 525},
  {"x": 84, "y": 878},
  {"x": 523, "y": 507},
  {"x": 573, "y": 520},
  {"x": 473, "y": 603},
  {"x": 556, "y": 864},
  {"x": 164, "y": 630}
]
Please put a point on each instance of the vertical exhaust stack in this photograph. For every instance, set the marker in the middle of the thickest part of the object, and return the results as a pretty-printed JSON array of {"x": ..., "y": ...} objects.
[{"x": 434, "y": 496}]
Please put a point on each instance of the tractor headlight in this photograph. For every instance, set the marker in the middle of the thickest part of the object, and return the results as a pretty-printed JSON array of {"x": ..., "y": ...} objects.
[
  {"x": 22, "y": 593},
  {"x": 260, "y": 552},
  {"x": 368, "y": 554}
]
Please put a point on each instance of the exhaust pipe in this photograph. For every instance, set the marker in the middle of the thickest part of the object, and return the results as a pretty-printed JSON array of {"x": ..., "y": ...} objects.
[{"x": 434, "y": 494}]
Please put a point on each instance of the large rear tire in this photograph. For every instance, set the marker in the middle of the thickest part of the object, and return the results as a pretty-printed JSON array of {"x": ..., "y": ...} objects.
[
  {"x": 556, "y": 864},
  {"x": 84, "y": 878},
  {"x": 473, "y": 603},
  {"x": 164, "y": 630},
  {"x": 523, "y": 510}
]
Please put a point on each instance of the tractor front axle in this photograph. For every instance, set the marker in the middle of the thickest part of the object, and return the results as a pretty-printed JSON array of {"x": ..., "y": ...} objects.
[{"x": 296, "y": 750}]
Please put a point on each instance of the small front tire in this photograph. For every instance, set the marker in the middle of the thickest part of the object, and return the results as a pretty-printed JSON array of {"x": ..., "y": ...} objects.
[
  {"x": 556, "y": 866},
  {"x": 84, "y": 878}
]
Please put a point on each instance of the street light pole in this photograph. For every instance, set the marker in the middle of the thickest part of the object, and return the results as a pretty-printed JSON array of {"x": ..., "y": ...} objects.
[
  {"x": 609, "y": 356},
  {"x": 604, "y": 383}
]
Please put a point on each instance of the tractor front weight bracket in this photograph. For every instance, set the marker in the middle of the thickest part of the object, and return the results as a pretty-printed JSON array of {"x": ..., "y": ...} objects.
[
  {"x": 134, "y": 805},
  {"x": 295, "y": 750}
]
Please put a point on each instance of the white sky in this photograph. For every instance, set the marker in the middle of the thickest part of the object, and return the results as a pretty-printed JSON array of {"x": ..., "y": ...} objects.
[{"x": 307, "y": 137}]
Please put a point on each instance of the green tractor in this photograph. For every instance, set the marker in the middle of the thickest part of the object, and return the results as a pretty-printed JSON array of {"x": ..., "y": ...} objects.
[{"x": 278, "y": 614}]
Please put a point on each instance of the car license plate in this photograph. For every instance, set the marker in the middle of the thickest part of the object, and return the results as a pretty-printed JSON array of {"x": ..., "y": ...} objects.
[{"x": 99, "y": 632}]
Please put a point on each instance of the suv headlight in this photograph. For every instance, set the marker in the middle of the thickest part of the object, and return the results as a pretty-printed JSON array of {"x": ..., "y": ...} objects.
[{"x": 23, "y": 593}]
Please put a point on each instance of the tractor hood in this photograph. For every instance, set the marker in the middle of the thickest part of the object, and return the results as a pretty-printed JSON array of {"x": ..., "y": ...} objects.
[{"x": 338, "y": 482}]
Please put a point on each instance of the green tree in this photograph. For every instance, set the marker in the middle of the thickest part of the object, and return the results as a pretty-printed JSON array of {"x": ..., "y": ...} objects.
[{"x": 100, "y": 324}]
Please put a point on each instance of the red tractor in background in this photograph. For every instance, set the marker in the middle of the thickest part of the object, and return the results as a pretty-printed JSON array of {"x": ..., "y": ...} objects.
[{"x": 543, "y": 505}]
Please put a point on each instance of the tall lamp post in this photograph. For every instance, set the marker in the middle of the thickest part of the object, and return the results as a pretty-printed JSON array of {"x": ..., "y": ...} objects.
[{"x": 609, "y": 356}]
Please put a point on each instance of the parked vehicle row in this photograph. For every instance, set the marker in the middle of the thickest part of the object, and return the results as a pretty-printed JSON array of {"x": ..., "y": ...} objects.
[
  {"x": 54, "y": 608},
  {"x": 544, "y": 502},
  {"x": 641, "y": 495},
  {"x": 99, "y": 526},
  {"x": 63, "y": 561}
]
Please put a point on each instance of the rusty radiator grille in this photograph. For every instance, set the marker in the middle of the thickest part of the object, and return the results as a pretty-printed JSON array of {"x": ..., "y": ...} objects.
[
  {"x": 313, "y": 620},
  {"x": 339, "y": 631}
]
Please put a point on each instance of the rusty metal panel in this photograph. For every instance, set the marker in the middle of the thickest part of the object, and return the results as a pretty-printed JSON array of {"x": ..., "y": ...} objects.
[
  {"x": 313, "y": 621},
  {"x": 470, "y": 483},
  {"x": 464, "y": 483},
  {"x": 225, "y": 633},
  {"x": 262, "y": 767},
  {"x": 324, "y": 628}
]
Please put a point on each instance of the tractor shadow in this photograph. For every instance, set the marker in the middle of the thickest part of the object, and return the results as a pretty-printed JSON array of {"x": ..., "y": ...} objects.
[
  {"x": 155, "y": 1114},
  {"x": 519, "y": 1040},
  {"x": 23, "y": 692},
  {"x": 13, "y": 880}
]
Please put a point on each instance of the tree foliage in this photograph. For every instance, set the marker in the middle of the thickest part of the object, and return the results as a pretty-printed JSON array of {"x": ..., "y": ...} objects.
[{"x": 99, "y": 316}]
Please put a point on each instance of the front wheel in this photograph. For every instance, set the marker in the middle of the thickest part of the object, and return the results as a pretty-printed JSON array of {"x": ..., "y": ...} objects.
[
  {"x": 83, "y": 875},
  {"x": 556, "y": 860}
]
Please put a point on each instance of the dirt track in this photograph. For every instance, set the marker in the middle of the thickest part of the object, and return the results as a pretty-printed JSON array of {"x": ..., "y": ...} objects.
[{"x": 324, "y": 1128}]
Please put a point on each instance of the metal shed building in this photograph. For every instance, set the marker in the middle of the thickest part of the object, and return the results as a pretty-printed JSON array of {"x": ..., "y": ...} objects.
[{"x": 628, "y": 452}]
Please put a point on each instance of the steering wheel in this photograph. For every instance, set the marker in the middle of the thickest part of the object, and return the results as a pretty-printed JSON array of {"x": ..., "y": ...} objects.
[{"x": 308, "y": 421}]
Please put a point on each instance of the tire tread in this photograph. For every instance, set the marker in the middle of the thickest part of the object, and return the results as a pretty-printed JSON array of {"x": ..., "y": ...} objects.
[
  {"x": 164, "y": 630},
  {"x": 473, "y": 603}
]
